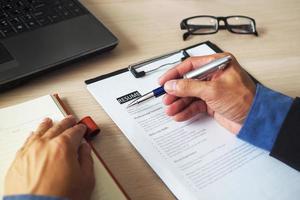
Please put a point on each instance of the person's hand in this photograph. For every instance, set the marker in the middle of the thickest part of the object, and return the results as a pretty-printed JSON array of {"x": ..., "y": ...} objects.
[
  {"x": 227, "y": 95},
  {"x": 53, "y": 162}
]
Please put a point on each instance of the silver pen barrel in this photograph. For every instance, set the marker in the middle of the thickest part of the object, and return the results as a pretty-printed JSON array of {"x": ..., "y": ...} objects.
[{"x": 208, "y": 68}]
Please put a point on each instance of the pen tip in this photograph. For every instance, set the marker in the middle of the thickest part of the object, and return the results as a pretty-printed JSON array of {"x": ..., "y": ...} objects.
[{"x": 131, "y": 104}]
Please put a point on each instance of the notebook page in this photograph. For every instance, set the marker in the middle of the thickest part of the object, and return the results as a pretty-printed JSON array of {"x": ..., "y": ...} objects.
[
  {"x": 16, "y": 124},
  {"x": 197, "y": 159}
]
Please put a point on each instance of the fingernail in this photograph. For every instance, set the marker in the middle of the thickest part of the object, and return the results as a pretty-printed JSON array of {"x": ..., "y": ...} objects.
[
  {"x": 82, "y": 126},
  {"x": 46, "y": 120},
  {"x": 70, "y": 117},
  {"x": 170, "y": 86}
]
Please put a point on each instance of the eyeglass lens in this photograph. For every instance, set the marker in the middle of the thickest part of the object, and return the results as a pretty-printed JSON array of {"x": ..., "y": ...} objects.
[
  {"x": 203, "y": 25},
  {"x": 241, "y": 25}
]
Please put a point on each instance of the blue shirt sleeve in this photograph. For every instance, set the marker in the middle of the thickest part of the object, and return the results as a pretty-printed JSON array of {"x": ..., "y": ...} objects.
[
  {"x": 265, "y": 117},
  {"x": 31, "y": 197}
]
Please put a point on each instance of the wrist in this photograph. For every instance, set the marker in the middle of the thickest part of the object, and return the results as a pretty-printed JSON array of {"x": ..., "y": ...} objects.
[{"x": 248, "y": 99}]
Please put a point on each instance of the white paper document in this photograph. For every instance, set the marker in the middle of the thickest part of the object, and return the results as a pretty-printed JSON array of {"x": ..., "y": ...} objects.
[{"x": 196, "y": 159}]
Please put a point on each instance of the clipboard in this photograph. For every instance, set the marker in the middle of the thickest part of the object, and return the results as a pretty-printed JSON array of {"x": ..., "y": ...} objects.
[{"x": 139, "y": 74}]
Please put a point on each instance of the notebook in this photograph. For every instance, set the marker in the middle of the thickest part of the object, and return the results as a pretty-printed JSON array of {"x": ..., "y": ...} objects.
[
  {"x": 19, "y": 120},
  {"x": 198, "y": 158}
]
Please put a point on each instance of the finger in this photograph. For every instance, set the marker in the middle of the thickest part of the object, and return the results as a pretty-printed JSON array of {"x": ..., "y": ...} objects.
[
  {"x": 86, "y": 164},
  {"x": 32, "y": 137},
  {"x": 188, "y": 65},
  {"x": 178, "y": 106},
  {"x": 169, "y": 99},
  {"x": 189, "y": 88},
  {"x": 60, "y": 127},
  {"x": 29, "y": 140},
  {"x": 84, "y": 156},
  {"x": 75, "y": 135},
  {"x": 192, "y": 110},
  {"x": 41, "y": 129},
  {"x": 44, "y": 126}
]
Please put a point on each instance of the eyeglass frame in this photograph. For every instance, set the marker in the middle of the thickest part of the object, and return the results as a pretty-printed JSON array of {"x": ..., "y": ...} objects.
[{"x": 185, "y": 26}]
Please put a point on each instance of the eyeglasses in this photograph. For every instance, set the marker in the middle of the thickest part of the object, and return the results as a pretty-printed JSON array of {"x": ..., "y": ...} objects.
[{"x": 205, "y": 24}]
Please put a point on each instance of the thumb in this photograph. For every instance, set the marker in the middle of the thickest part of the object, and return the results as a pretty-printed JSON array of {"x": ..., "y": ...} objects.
[
  {"x": 86, "y": 163},
  {"x": 187, "y": 88}
]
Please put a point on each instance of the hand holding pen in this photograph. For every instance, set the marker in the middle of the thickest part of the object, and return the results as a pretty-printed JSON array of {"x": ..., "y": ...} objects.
[
  {"x": 227, "y": 96},
  {"x": 201, "y": 73}
]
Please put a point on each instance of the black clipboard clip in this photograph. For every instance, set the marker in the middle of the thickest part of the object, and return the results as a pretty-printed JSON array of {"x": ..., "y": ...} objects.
[{"x": 139, "y": 74}]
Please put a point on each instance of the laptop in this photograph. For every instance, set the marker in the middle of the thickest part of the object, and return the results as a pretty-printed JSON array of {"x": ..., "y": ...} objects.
[{"x": 37, "y": 36}]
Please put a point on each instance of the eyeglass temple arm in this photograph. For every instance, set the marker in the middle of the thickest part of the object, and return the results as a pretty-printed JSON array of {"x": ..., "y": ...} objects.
[
  {"x": 186, "y": 35},
  {"x": 194, "y": 26},
  {"x": 190, "y": 32}
]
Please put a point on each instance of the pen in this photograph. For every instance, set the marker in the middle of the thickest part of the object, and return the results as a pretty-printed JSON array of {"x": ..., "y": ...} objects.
[{"x": 199, "y": 73}]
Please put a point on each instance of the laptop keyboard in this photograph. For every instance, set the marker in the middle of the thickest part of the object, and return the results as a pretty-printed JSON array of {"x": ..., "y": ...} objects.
[{"x": 18, "y": 16}]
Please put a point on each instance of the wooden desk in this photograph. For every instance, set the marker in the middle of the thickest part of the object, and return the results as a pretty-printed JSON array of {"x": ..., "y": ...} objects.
[{"x": 149, "y": 28}]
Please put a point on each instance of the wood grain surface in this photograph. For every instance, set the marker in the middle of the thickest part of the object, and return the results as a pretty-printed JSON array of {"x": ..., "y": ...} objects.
[{"x": 149, "y": 28}]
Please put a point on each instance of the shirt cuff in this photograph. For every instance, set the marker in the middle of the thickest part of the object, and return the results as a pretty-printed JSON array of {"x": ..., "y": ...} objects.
[
  {"x": 31, "y": 197},
  {"x": 265, "y": 117}
]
